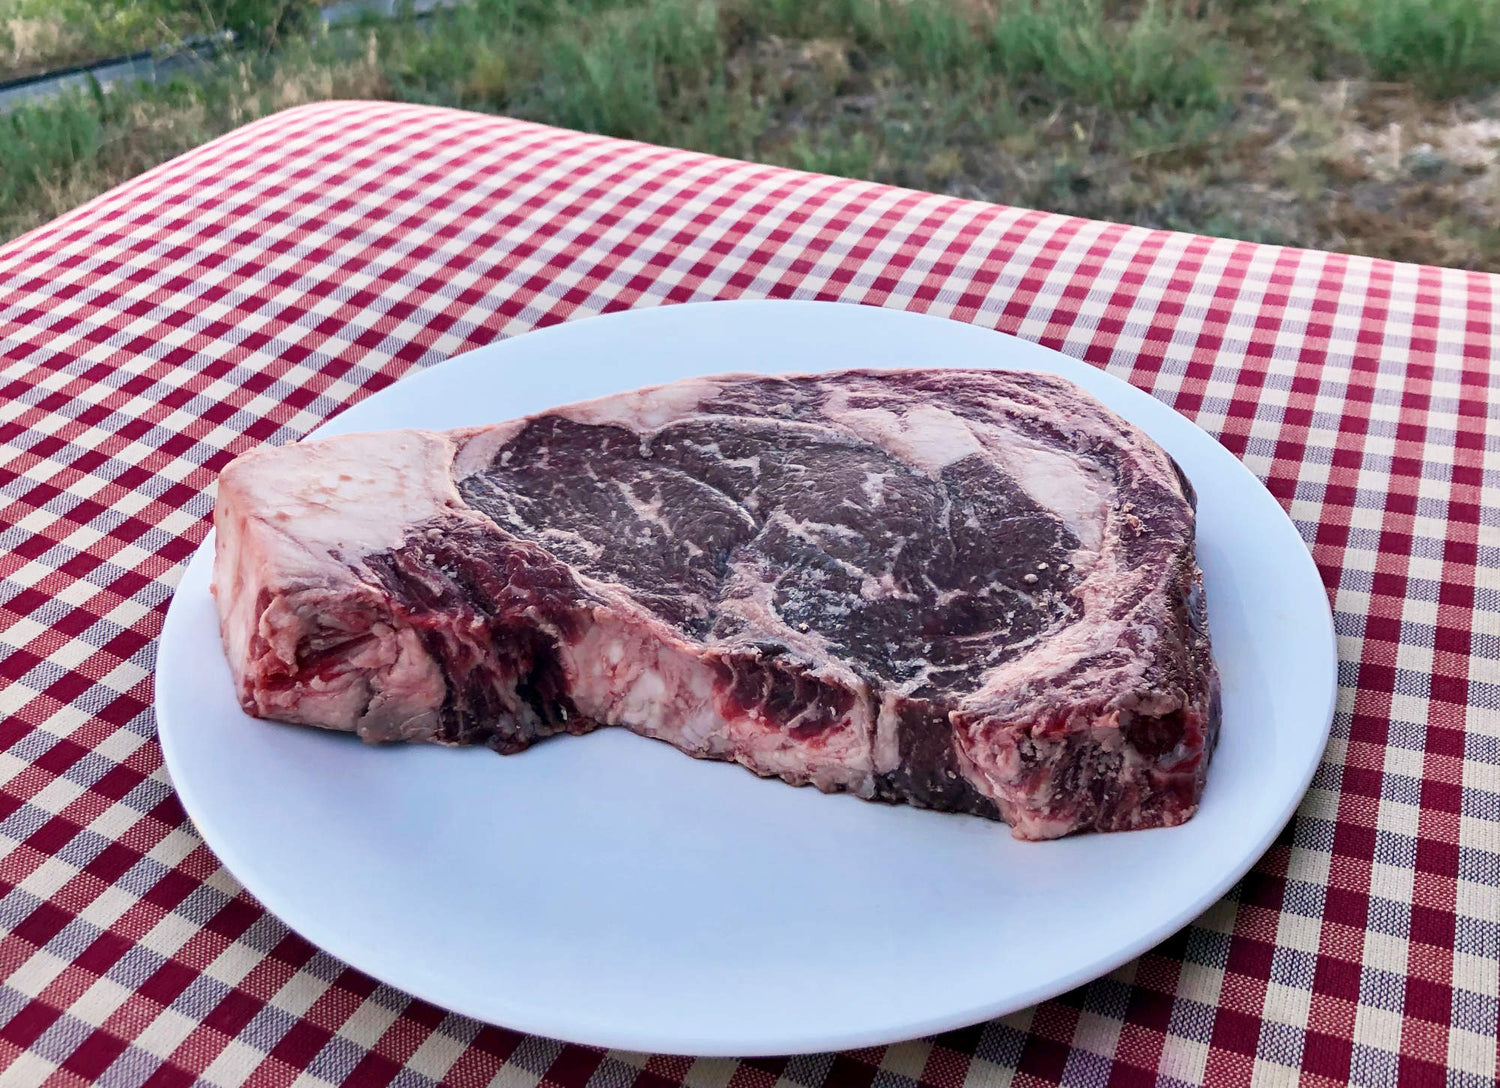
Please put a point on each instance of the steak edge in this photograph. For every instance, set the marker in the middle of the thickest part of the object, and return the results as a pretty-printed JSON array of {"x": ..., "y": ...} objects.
[{"x": 967, "y": 590}]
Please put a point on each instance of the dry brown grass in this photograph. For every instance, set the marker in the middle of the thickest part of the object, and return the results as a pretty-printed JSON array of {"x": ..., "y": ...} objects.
[
  {"x": 27, "y": 44},
  {"x": 41, "y": 35}
]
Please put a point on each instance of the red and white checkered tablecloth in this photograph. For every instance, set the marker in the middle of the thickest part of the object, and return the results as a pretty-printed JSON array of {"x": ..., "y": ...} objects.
[{"x": 245, "y": 292}]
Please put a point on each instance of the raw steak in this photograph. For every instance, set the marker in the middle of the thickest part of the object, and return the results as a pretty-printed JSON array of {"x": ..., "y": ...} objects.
[{"x": 966, "y": 590}]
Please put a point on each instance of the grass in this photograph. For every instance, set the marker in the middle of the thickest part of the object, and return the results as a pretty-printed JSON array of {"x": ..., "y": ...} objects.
[
  {"x": 1159, "y": 58},
  {"x": 1264, "y": 119},
  {"x": 38, "y": 35},
  {"x": 1447, "y": 47},
  {"x": 1084, "y": 49}
]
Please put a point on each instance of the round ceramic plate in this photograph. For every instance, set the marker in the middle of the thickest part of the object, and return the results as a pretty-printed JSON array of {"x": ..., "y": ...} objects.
[{"x": 608, "y": 890}]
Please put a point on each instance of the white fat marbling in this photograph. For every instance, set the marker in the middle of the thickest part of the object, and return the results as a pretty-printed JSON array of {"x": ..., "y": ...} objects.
[
  {"x": 353, "y": 495},
  {"x": 1062, "y": 483},
  {"x": 647, "y": 409},
  {"x": 476, "y": 452},
  {"x": 924, "y": 435}
]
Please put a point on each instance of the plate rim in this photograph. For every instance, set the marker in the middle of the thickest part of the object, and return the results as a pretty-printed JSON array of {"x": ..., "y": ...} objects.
[{"x": 326, "y": 937}]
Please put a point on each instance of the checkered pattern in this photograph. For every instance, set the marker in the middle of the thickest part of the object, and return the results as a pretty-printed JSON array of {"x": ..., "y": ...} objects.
[{"x": 245, "y": 292}]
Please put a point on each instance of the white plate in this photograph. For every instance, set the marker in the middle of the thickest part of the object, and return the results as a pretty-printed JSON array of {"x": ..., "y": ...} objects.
[{"x": 609, "y": 890}]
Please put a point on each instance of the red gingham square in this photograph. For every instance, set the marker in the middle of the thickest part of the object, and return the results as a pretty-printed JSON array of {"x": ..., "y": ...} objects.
[{"x": 245, "y": 292}]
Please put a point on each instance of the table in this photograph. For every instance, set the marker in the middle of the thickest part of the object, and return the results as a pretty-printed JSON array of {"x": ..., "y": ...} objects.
[{"x": 246, "y": 291}]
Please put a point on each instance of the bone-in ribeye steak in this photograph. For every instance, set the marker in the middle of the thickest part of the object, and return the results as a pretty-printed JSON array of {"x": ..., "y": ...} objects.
[{"x": 967, "y": 590}]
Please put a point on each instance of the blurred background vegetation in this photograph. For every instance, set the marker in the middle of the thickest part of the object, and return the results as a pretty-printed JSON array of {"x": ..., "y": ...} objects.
[{"x": 1370, "y": 126}]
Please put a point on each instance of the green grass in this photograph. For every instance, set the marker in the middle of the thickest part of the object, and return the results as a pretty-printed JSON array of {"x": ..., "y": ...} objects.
[
  {"x": 1088, "y": 50},
  {"x": 1160, "y": 58},
  {"x": 1195, "y": 114},
  {"x": 1446, "y": 47},
  {"x": 639, "y": 75},
  {"x": 37, "y": 145},
  {"x": 641, "y": 70}
]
